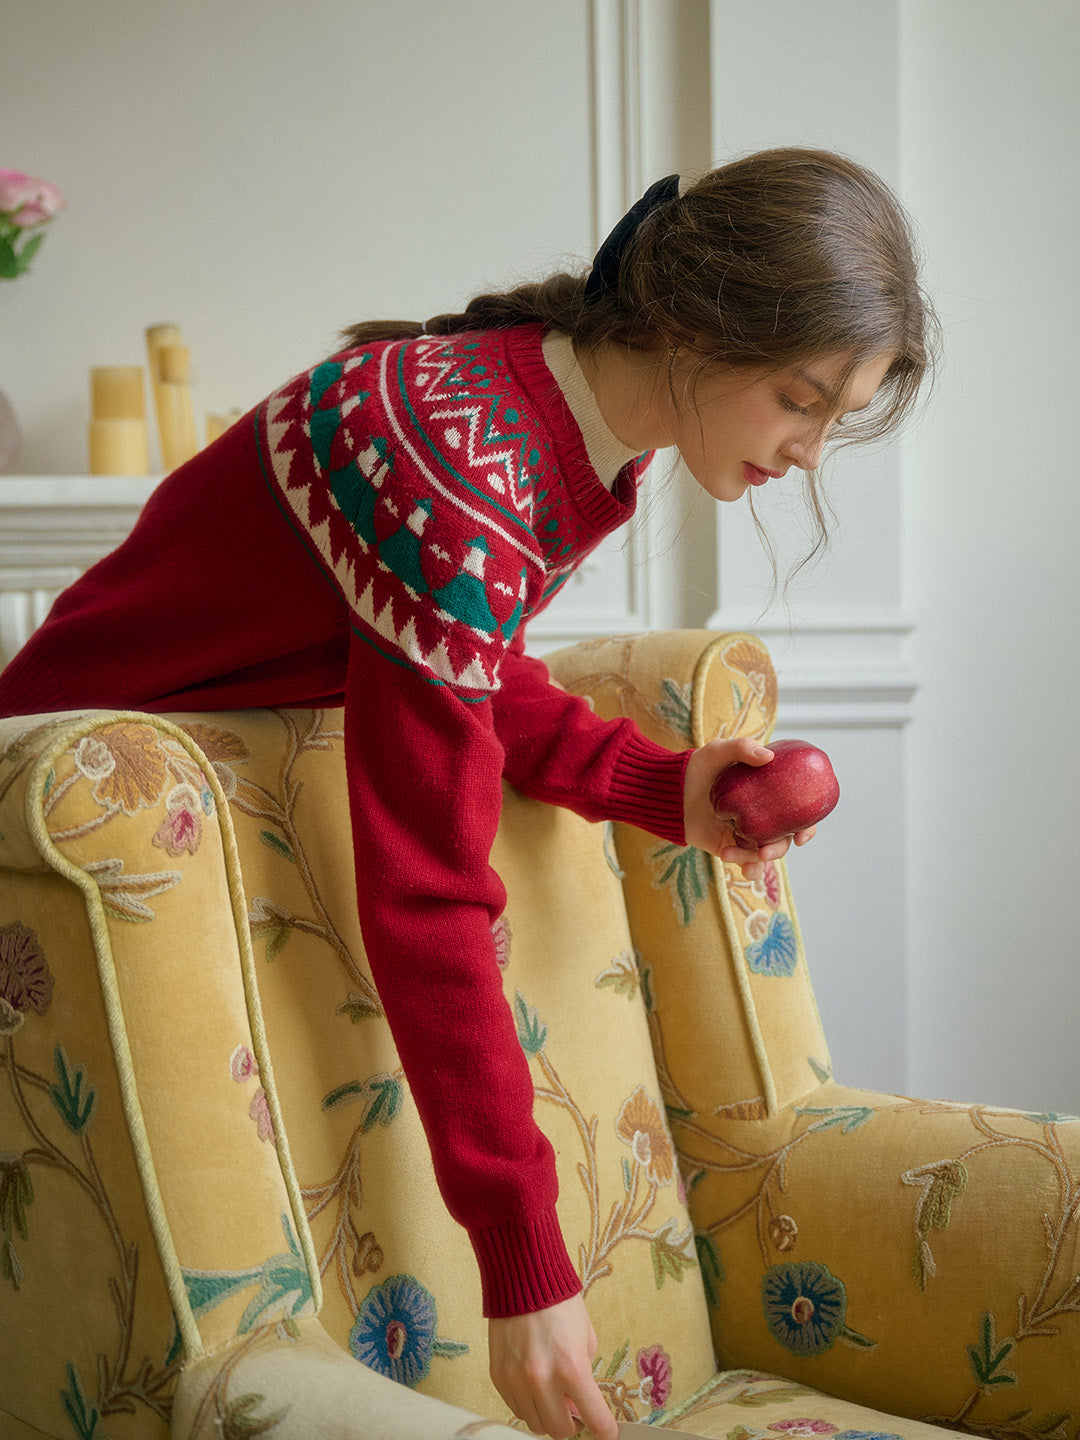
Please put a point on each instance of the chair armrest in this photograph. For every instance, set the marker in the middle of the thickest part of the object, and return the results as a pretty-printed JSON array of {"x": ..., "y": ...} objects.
[
  {"x": 917, "y": 1256},
  {"x": 123, "y": 819},
  {"x": 314, "y": 1391}
]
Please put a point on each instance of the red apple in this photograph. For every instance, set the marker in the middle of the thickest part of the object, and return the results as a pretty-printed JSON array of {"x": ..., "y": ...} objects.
[{"x": 790, "y": 792}]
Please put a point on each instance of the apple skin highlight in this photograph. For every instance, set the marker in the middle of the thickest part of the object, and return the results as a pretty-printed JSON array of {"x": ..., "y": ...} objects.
[{"x": 790, "y": 792}]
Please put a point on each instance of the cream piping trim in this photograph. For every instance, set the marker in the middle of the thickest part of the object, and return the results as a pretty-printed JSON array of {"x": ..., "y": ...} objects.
[{"x": 99, "y": 928}]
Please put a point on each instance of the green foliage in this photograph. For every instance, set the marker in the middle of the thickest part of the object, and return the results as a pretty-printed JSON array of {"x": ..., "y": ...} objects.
[
  {"x": 988, "y": 1357},
  {"x": 532, "y": 1032},
  {"x": 686, "y": 873},
  {"x": 76, "y": 1107}
]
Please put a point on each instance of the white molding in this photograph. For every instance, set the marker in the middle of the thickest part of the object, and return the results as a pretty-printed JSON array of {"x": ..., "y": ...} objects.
[
  {"x": 52, "y": 528},
  {"x": 840, "y": 668},
  {"x": 623, "y": 564}
]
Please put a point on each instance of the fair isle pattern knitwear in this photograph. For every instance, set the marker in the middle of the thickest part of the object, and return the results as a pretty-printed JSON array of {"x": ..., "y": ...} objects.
[{"x": 424, "y": 477}]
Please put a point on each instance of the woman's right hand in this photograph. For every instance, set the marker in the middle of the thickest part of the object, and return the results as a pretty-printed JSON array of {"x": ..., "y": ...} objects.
[{"x": 541, "y": 1365}]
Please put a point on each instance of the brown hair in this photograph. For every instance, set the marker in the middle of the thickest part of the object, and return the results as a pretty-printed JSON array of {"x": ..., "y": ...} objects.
[{"x": 767, "y": 262}]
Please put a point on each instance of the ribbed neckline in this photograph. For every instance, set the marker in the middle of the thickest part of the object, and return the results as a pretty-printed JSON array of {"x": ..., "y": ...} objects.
[
  {"x": 602, "y": 509},
  {"x": 607, "y": 453}
]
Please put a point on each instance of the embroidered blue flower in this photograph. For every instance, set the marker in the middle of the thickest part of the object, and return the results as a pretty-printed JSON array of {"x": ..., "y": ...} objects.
[
  {"x": 866, "y": 1435},
  {"x": 777, "y": 952},
  {"x": 805, "y": 1305},
  {"x": 394, "y": 1332}
]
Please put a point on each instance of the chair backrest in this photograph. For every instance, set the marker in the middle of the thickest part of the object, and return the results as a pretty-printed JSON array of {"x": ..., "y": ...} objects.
[{"x": 206, "y": 1044}]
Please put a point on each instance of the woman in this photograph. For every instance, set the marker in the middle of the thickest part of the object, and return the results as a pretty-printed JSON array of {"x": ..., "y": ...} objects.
[{"x": 378, "y": 533}]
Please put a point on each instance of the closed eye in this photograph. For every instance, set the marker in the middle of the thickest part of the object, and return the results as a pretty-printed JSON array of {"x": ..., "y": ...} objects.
[{"x": 789, "y": 404}]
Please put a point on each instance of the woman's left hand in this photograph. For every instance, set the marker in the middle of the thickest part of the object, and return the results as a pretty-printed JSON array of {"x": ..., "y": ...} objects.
[{"x": 705, "y": 829}]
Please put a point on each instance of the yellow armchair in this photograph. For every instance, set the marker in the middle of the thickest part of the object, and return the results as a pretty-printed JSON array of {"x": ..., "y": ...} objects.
[{"x": 219, "y": 1216}]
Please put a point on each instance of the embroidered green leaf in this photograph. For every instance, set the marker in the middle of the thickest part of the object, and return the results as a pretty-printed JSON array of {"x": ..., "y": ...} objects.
[
  {"x": 712, "y": 1267},
  {"x": 387, "y": 1093},
  {"x": 684, "y": 871},
  {"x": 240, "y": 1422},
  {"x": 821, "y": 1071},
  {"x": 1049, "y": 1117},
  {"x": 988, "y": 1357},
  {"x": 283, "y": 1281},
  {"x": 83, "y": 1415},
  {"x": 268, "y": 921},
  {"x": 672, "y": 1254},
  {"x": 451, "y": 1349},
  {"x": 277, "y": 844},
  {"x": 76, "y": 1107},
  {"x": 359, "y": 1007},
  {"x": 940, "y": 1182},
  {"x": 848, "y": 1117},
  {"x": 381, "y": 1094},
  {"x": 16, "y": 1193},
  {"x": 618, "y": 1362},
  {"x": 532, "y": 1033},
  {"x": 752, "y": 1398},
  {"x": 676, "y": 707},
  {"x": 621, "y": 975}
]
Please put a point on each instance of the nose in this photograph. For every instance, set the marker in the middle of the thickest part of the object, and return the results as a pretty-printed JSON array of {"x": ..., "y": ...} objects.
[{"x": 805, "y": 453}]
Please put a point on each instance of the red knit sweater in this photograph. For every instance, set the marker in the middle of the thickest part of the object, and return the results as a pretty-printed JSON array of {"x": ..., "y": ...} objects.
[{"x": 443, "y": 488}]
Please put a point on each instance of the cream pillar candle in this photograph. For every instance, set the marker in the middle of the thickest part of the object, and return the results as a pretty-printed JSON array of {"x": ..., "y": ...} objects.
[
  {"x": 118, "y": 446},
  {"x": 117, "y": 392}
]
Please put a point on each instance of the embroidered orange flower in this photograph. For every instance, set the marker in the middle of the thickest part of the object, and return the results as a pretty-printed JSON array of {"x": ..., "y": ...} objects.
[
  {"x": 126, "y": 764},
  {"x": 641, "y": 1126},
  {"x": 754, "y": 663}
]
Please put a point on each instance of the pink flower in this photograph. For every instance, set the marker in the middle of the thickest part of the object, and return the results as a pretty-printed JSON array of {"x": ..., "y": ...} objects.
[
  {"x": 27, "y": 201},
  {"x": 772, "y": 883},
  {"x": 803, "y": 1427},
  {"x": 179, "y": 831},
  {"x": 654, "y": 1367},
  {"x": 259, "y": 1110},
  {"x": 182, "y": 828},
  {"x": 242, "y": 1064}
]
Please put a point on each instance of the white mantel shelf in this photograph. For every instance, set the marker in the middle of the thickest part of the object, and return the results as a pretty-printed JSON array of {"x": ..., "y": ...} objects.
[{"x": 52, "y": 528}]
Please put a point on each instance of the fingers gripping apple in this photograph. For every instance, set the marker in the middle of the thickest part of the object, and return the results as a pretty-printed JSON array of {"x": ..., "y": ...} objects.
[{"x": 791, "y": 792}]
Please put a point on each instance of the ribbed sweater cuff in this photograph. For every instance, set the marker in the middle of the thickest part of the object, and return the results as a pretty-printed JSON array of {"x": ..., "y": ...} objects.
[
  {"x": 648, "y": 788},
  {"x": 523, "y": 1267}
]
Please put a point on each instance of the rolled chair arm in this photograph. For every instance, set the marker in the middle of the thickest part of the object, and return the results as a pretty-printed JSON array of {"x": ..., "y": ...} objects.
[{"x": 918, "y": 1256}]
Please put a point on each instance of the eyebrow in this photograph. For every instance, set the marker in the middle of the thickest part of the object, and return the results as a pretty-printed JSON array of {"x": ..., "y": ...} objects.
[
  {"x": 822, "y": 389},
  {"x": 826, "y": 394}
]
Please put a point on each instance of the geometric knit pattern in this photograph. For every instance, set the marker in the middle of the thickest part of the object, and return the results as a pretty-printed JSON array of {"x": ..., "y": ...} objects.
[{"x": 426, "y": 478}]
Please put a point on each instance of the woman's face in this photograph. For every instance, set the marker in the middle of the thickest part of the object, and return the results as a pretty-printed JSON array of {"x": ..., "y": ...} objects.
[{"x": 737, "y": 430}]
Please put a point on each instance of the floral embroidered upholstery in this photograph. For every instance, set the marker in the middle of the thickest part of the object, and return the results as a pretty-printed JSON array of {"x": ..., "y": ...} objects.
[{"x": 216, "y": 1197}]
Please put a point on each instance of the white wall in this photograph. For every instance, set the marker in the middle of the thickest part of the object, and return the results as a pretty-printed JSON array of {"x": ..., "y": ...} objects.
[
  {"x": 839, "y": 637},
  {"x": 264, "y": 172},
  {"x": 991, "y": 140}
]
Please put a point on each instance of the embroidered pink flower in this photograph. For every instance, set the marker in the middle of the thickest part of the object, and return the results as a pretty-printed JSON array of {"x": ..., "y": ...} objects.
[
  {"x": 182, "y": 827},
  {"x": 26, "y": 981},
  {"x": 654, "y": 1367},
  {"x": 803, "y": 1427},
  {"x": 772, "y": 883},
  {"x": 259, "y": 1110},
  {"x": 242, "y": 1064}
]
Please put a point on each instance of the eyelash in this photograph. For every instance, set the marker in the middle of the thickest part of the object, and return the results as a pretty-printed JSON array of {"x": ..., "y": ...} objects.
[{"x": 789, "y": 404}]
